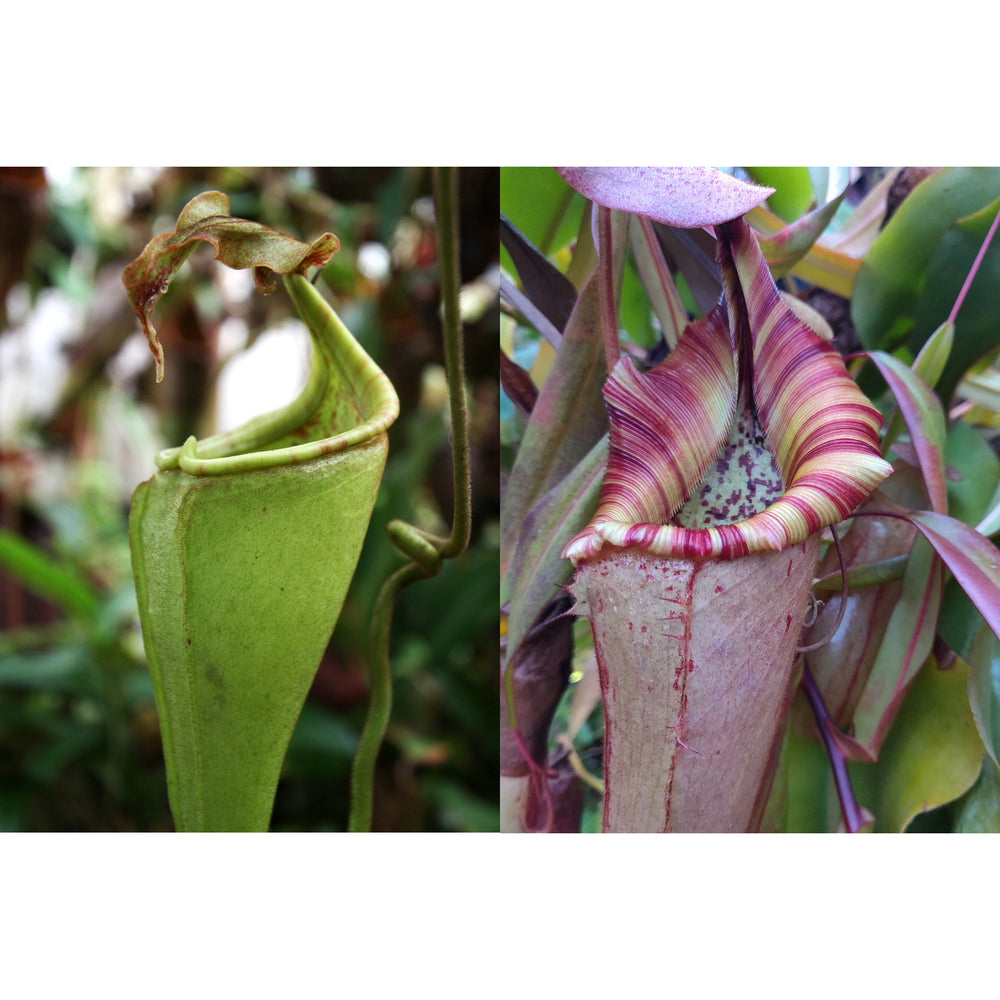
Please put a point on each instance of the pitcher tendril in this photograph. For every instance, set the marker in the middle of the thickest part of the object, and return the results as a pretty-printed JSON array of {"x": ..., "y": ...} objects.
[{"x": 426, "y": 551}]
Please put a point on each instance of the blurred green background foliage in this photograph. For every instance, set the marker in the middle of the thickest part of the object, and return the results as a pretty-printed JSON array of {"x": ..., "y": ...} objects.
[{"x": 81, "y": 419}]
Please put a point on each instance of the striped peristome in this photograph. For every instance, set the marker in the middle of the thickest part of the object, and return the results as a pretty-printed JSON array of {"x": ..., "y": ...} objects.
[
  {"x": 678, "y": 412},
  {"x": 668, "y": 424}
]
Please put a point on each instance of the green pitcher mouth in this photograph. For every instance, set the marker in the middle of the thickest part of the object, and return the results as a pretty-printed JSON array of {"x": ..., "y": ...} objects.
[{"x": 276, "y": 439}]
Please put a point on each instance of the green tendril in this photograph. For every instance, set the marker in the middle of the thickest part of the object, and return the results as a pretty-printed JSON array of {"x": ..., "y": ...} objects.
[{"x": 426, "y": 552}]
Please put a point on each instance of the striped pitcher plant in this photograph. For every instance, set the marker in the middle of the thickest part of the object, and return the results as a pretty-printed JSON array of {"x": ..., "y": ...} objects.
[{"x": 689, "y": 501}]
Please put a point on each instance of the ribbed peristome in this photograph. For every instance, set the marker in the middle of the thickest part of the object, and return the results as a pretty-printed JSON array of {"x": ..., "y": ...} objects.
[{"x": 669, "y": 424}]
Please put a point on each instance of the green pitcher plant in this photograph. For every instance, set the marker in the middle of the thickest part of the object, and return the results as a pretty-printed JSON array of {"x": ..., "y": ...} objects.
[{"x": 244, "y": 544}]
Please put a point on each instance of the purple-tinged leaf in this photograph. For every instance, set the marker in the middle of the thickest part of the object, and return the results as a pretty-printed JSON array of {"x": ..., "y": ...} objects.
[
  {"x": 537, "y": 675},
  {"x": 693, "y": 251},
  {"x": 908, "y": 639},
  {"x": 657, "y": 280},
  {"x": 544, "y": 285},
  {"x": 852, "y": 815},
  {"x": 537, "y": 569},
  {"x": 539, "y": 672},
  {"x": 686, "y": 197},
  {"x": 517, "y": 385},
  {"x": 972, "y": 559},
  {"x": 568, "y": 418},
  {"x": 924, "y": 419},
  {"x": 565, "y": 791},
  {"x": 518, "y": 301}
]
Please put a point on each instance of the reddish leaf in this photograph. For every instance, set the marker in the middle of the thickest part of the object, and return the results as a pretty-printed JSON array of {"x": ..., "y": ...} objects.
[
  {"x": 537, "y": 675},
  {"x": 973, "y": 560},
  {"x": 924, "y": 419},
  {"x": 687, "y": 197},
  {"x": 517, "y": 385}
]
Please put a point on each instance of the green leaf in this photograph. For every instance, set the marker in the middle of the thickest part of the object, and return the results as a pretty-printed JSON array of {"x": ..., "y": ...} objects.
[
  {"x": 46, "y": 576},
  {"x": 984, "y": 690},
  {"x": 959, "y": 623},
  {"x": 933, "y": 356},
  {"x": 933, "y": 753},
  {"x": 793, "y": 189},
  {"x": 971, "y": 457},
  {"x": 979, "y": 811},
  {"x": 977, "y": 331},
  {"x": 657, "y": 279},
  {"x": 895, "y": 269},
  {"x": 635, "y": 316},
  {"x": 63, "y": 668},
  {"x": 907, "y": 642},
  {"x": 809, "y": 786},
  {"x": 541, "y": 204}
]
